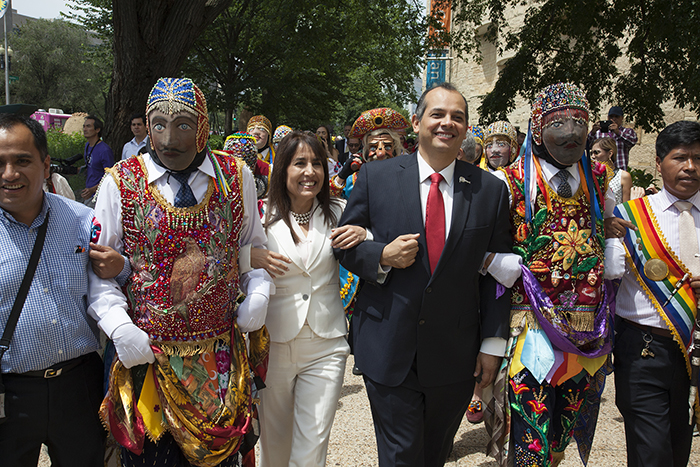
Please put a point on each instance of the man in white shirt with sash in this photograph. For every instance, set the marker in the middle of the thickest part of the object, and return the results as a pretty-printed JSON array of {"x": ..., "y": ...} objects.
[{"x": 657, "y": 305}]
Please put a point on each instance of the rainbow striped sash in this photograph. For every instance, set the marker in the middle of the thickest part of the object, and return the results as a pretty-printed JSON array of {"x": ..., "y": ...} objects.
[{"x": 647, "y": 243}]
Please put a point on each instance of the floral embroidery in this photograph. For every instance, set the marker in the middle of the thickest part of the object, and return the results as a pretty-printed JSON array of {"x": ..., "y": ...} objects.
[{"x": 571, "y": 242}]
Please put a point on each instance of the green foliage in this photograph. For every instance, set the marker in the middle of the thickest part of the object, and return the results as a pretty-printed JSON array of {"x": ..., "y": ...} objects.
[
  {"x": 643, "y": 179},
  {"x": 303, "y": 63},
  {"x": 54, "y": 68},
  {"x": 63, "y": 146},
  {"x": 582, "y": 41},
  {"x": 216, "y": 142}
]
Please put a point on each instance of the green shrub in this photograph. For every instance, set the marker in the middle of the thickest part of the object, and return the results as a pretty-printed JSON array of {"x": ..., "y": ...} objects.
[
  {"x": 216, "y": 142},
  {"x": 63, "y": 146},
  {"x": 642, "y": 178}
]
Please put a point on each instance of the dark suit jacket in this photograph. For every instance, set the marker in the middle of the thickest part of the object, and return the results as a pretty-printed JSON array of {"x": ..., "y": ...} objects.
[{"x": 413, "y": 315}]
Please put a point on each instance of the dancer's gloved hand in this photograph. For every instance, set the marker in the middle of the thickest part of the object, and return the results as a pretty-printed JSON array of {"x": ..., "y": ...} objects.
[
  {"x": 351, "y": 166},
  {"x": 133, "y": 345}
]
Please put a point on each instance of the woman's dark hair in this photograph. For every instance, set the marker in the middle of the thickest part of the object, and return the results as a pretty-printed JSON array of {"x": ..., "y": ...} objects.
[
  {"x": 328, "y": 137},
  {"x": 279, "y": 204}
]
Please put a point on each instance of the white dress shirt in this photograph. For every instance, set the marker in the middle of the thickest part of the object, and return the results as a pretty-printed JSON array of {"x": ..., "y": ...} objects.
[
  {"x": 632, "y": 302},
  {"x": 132, "y": 147},
  {"x": 107, "y": 302}
]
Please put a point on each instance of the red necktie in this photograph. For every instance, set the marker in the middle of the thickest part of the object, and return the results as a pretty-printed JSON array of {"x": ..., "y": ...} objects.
[{"x": 435, "y": 221}]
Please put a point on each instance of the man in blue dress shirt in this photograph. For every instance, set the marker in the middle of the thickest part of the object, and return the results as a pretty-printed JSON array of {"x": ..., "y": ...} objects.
[{"x": 51, "y": 372}]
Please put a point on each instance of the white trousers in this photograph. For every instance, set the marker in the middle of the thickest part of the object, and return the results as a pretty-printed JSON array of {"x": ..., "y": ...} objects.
[{"x": 297, "y": 406}]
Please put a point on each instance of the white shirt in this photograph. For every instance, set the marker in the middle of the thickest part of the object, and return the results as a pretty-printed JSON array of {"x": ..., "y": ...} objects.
[
  {"x": 632, "y": 302},
  {"x": 132, "y": 147},
  {"x": 446, "y": 188},
  {"x": 107, "y": 302}
]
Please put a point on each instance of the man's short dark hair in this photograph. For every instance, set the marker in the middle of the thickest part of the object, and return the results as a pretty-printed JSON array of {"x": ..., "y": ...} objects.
[
  {"x": 98, "y": 124},
  {"x": 8, "y": 121},
  {"x": 420, "y": 108},
  {"x": 683, "y": 133},
  {"x": 141, "y": 116}
]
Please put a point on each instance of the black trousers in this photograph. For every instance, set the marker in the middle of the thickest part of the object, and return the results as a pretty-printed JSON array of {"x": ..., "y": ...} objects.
[
  {"x": 61, "y": 412},
  {"x": 415, "y": 425},
  {"x": 652, "y": 395}
]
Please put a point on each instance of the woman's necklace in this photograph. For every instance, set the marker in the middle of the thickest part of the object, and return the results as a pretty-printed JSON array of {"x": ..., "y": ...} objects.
[{"x": 302, "y": 219}]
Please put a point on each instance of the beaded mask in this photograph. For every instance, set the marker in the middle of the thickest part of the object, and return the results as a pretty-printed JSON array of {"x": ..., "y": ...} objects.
[
  {"x": 242, "y": 145},
  {"x": 174, "y": 95},
  {"x": 376, "y": 119},
  {"x": 557, "y": 101}
]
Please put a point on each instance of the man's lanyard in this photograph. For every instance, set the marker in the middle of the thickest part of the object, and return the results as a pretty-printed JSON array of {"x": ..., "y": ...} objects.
[{"x": 88, "y": 155}]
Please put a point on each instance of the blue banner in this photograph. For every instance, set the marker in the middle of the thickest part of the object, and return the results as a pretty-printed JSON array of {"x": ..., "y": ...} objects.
[{"x": 435, "y": 73}]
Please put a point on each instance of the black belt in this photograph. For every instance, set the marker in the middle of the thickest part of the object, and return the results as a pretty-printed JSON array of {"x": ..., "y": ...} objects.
[
  {"x": 649, "y": 329},
  {"x": 56, "y": 370}
]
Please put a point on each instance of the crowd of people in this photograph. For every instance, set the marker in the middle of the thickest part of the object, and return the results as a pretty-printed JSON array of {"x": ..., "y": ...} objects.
[{"x": 232, "y": 285}]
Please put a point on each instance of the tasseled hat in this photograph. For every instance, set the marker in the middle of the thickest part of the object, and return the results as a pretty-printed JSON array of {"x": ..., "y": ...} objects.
[
  {"x": 376, "y": 119},
  {"x": 557, "y": 101},
  {"x": 174, "y": 95}
]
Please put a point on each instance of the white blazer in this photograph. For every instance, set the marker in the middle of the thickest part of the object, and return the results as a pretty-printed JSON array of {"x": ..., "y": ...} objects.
[{"x": 306, "y": 293}]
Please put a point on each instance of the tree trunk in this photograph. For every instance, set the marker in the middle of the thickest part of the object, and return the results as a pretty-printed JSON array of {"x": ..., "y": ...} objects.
[
  {"x": 151, "y": 40},
  {"x": 228, "y": 122}
]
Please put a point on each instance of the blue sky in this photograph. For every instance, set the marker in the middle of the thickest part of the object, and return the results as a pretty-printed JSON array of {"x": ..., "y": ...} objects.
[{"x": 40, "y": 8}]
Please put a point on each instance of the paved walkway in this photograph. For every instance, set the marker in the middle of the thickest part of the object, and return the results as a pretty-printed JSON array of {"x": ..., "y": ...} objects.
[{"x": 352, "y": 439}]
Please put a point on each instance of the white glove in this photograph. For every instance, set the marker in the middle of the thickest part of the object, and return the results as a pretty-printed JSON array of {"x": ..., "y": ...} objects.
[
  {"x": 258, "y": 287},
  {"x": 614, "y": 258},
  {"x": 505, "y": 268},
  {"x": 133, "y": 345}
]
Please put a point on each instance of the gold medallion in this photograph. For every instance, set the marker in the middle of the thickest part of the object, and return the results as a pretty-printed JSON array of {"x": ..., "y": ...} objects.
[{"x": 655, "y": 269}]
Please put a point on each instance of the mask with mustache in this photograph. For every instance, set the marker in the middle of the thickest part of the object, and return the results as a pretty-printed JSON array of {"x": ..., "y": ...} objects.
[{"x": 565, "y": 139}]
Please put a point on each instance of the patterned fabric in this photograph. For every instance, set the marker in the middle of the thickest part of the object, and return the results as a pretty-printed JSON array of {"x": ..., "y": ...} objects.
[
  {"x": 242, "y": 145},
  {"x": 543, "y": 417},
  {"x": 558, "y": 247},
  {"x": 565, "y": 97},
  {"x": 179, "y": 257},
  {"x": 375, "y": 119},
  {"x": 616, "y": 186},
  {"x": 503, "y": 128},
  {"x": 478, "y": 134},
  {"x": 184, "y": 198},
  {"x": 280, "y": 132},
  {"x": 259, "y": 121},
  {"x": 564, "y": 189},
  {"x": 53, "y": 326},
  {"x": 174, "y": 95}
]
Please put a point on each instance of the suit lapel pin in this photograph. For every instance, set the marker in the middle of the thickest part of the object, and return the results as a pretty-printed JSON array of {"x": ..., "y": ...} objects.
[{"x": 464, "y": 180}]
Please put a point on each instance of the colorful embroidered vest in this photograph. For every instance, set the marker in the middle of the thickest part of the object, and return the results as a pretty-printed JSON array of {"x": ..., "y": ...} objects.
[
  {"x": 559, "y": 249},
  {"x": 184, "y": 280}
]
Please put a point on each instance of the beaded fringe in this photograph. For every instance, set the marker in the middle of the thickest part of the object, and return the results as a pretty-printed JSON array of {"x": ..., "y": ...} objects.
[
  {"x": 189, "y": 349},
  {"x": 580, "y": 321}
]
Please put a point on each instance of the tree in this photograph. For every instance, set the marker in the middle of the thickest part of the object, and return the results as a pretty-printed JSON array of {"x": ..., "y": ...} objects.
[
  {"x": 149, "y": 40},
  {"x": 301, "y": 62},
  {"x": 50, "y": 60},
  {"x": 581, "y": 41}
]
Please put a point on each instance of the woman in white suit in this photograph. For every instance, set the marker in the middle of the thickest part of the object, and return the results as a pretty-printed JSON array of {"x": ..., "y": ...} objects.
[{"x": 305, "y": 316}]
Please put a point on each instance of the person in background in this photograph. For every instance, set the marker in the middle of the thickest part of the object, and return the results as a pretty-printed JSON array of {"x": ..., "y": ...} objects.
[
  {"x": 305, "y": 317},
  {"x": 657, "y": 306},
  {"x": 342, "y": 143},
  {"x": 51, "y": 372},
  {"x": 324, "y": 134},
  {"x": 467, "y": 152},
  {"x": 98, "y": 157},
  {"x": 260, "y": 127},
  {"x": 138, "y": 128},
  {"x": 500, "y": 146},
  {"x": 624, "y": 137},
  {"x": 604, "y": 150}
]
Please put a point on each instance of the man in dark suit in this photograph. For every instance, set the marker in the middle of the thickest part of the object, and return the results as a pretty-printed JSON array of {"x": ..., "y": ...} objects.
[{"x": 417, "y": 332}]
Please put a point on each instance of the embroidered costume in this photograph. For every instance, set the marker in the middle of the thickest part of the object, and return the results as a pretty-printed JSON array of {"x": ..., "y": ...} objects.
[
  {"x": 561, "y": 323},
  {"x": 184, "y": 293},
  {"x": 266, "y": 153}
]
